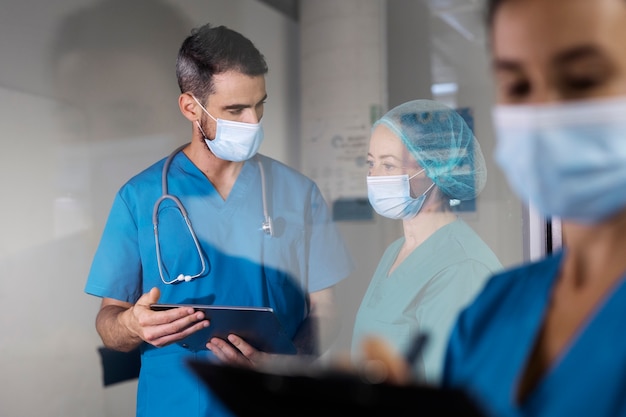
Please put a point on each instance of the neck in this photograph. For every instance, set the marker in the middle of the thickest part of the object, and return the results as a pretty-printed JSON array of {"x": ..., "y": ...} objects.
[
  {"x": 609, "y": 232},
  {"x": 595, "y": 252},
  {"x": 422, "y": 226},
  {"x": 222, "y": 174}
]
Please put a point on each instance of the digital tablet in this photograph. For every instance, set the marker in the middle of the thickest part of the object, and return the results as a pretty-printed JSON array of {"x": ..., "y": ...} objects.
[{"x": 258, "y": 326}]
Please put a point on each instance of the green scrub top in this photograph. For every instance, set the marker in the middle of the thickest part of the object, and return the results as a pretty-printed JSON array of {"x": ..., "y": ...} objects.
[{"x": 425, "y": 293}]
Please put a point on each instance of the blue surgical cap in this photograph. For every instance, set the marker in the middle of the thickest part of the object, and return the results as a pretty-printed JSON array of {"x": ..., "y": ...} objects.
[{"x": 442, "y": 143}]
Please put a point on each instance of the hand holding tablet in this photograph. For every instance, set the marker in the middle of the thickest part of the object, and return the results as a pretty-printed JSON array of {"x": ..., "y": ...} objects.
[{"x": 258, "y": 326}]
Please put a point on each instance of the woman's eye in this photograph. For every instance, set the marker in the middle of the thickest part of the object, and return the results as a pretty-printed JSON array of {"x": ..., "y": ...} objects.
[
  {"x": 512, "y": 87},
  {"x": 581, "y": 83},
  {"x": 585, "y": 75},
  {"x": 518, "y": 89}
]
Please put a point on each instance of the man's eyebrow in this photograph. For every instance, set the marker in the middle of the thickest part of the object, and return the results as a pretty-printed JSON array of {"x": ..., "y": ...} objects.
[
  {"x": 237, "y": 107},
  {"x": 243, "y": 106}
]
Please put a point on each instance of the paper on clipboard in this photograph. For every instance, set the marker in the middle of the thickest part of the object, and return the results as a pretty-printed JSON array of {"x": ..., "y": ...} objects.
[{"x": 258, "y": 326}]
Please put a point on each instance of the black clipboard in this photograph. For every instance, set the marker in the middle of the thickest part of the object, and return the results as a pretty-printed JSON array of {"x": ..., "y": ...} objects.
[
  {"x": 258, "y": 326},
  {"x": 325, "y": 393}
]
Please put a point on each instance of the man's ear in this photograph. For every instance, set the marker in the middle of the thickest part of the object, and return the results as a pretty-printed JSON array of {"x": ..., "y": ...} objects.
[{"x": 189, "y": 107}]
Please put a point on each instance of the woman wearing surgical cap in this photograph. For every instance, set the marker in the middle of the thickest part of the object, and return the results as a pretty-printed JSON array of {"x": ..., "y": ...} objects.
[{"x": 422, "y": 158}]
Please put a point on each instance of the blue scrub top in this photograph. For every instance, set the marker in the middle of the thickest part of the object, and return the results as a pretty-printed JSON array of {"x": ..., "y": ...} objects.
[
  {"x": 494, "y": 337},
  {"x": 246, "y": 267}
]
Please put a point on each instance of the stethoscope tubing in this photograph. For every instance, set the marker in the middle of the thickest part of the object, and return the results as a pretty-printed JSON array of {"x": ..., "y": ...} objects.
[
  {"x": 155, "y": 224},
  {"x": 267, "y": 225}
]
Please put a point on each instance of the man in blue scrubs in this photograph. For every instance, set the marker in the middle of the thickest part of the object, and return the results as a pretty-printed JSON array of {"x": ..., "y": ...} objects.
[{"x": 259, "y": 234}]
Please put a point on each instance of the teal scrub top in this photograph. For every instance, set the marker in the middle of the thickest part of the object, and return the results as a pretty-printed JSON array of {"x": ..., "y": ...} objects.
[
  {"x": 245, "y": 266},
  {"x": 494, "y": 337},
  {"x": 424, "y": 293}
]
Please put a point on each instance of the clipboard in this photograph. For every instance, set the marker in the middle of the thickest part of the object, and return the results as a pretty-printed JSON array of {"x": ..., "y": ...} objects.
[
  {"x": 310, "y": 391},
  {"x": 258, "y": 326}
]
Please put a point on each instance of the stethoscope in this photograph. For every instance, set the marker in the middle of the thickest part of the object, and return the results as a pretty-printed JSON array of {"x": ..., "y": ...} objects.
[{"x": 267, "y": 226}]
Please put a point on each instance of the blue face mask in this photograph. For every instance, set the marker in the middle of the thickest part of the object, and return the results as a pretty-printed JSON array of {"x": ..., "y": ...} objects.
[
  {"x": 390, "y": 196},
  {"x": 567, "y": 160},
  {"x": 234, "y": 141}
]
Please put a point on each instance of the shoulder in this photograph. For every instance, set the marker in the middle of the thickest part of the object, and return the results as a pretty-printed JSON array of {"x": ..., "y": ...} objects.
[
  {"x": 527, "y": 273},
  {"x": 150, "y": 175},
  {"x": 281, "y": 171},
  {"x": 511, "y": 302},
  {"x": 515, "y": 287},
  {"x": 147, "y": 183},
  {"x": 464, "y": 236},
  {"x": 460, "y": 244},
  {"x": 284, "y": 179}
]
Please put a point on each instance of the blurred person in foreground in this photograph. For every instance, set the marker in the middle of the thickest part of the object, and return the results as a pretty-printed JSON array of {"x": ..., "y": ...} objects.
[
  {"x": 423, "y": 159},
  {"x": 547, "y": 338},
  {"x": 224, "y": 254}
]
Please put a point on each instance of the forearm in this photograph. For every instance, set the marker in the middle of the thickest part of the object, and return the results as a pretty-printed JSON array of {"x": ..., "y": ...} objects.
[{"x": 115, "y": 334}]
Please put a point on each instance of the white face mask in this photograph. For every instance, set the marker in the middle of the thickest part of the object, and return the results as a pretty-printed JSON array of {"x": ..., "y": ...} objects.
[
  {"x": 390, "y": 196},
  {"x": 567, "y": 160},
  {"x": 234, "y": 141}
]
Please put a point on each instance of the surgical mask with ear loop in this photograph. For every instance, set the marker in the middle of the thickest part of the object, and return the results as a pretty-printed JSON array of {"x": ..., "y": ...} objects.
[
  {"x": 390, "y": 196},
  {"x": 568, "y": 160},
  {"x": 234, "y": 141}
]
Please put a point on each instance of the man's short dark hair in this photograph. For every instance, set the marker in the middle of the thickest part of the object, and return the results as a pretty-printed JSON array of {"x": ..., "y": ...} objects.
[{"x": 215, "y": 50}]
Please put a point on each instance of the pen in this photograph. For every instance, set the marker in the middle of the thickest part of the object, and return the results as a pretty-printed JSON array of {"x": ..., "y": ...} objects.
[{"x": 416, "y": 348}]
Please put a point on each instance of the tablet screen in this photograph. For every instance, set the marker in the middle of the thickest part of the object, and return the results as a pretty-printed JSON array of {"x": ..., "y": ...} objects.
[{"x": 258, "y": 326}]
